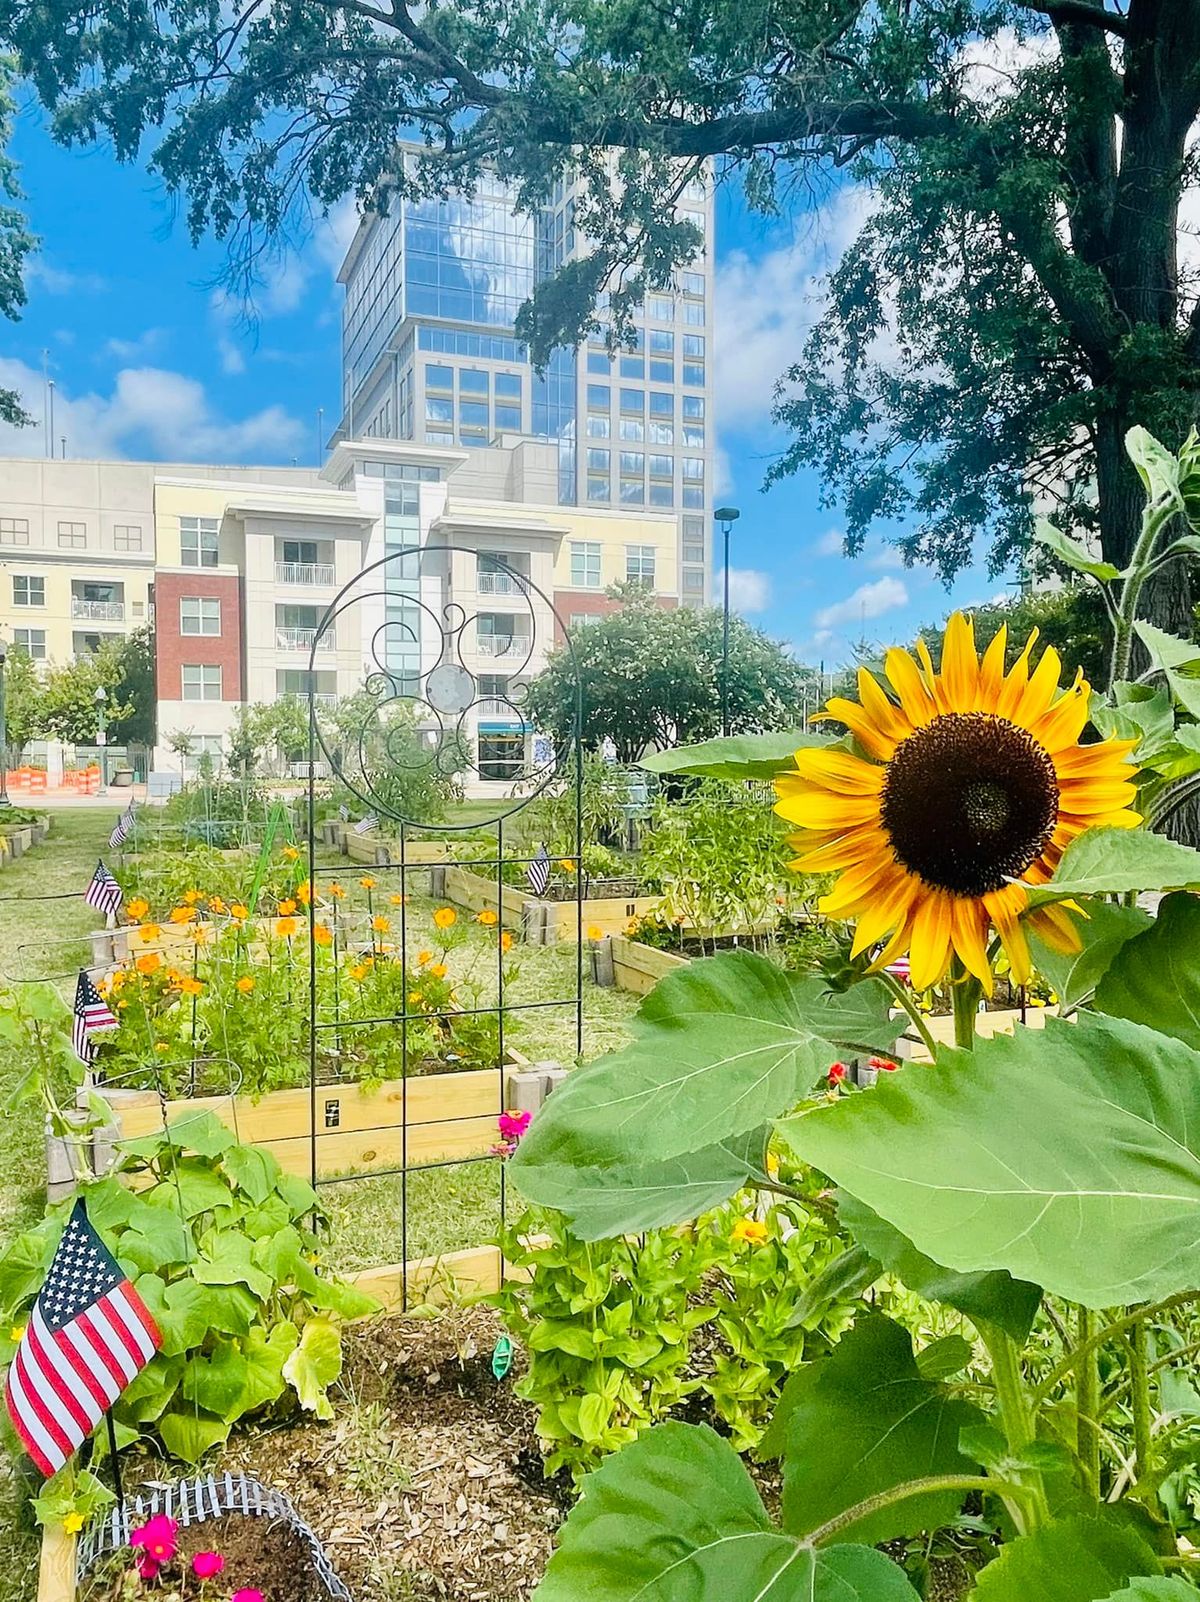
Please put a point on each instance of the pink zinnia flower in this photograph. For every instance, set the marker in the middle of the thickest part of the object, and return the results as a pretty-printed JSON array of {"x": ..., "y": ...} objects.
[
  {"x": 157, "y": 1539},
  {"x": 513, "y": 1125},
  {"x": 247, "y": 1594},
  {"x": 206, "y": 1564}
]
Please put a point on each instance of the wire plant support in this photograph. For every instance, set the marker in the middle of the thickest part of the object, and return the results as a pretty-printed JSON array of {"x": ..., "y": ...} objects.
[{"x": 418, "y": 672}]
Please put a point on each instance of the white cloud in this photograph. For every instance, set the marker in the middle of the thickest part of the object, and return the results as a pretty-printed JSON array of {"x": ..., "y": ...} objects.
[
  {"x": 151, "y": 412},
  {"x": 749, "y": 590},
  {"x": 831, "y": 543},
  {"x": 868, "y": 600},
  {"x": 885, "y": 559},
  {"x": 60, "y": 280},
  {"x": 132, "y": 350}
]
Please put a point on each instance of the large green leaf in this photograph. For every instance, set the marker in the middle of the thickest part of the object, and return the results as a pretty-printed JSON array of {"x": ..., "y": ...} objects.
[
  {"x": 1158, "y": 468},
  {"x": 995, "y": 1298},
  {"x": 723, "y": 1046},
  {"x": 736, "y": 757},
  {"x": 862, "y": 1421},
  {"x": 1071, "y": 552},
  {"x": 1077, "y": 1559},
  {"x": 1069, "y": 1157},
  {"x": 1178, "y": 661},
  {"x": 189, "y": 1435},
  {"x": 1162, "y": 1589},
  {"x": 1155, "y": 979},
  {"x": 1075, "y": 975},
  {"x": 676, "y": 1518},
  {"x": 1116, "y": 861},
  {"x": 314, "y": 1364},
  {"x": 625, "y": 1198}
]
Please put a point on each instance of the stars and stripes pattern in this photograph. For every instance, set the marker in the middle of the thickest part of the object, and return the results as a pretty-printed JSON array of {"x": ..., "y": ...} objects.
[
  {"x": 122, "y": 827},
  {"x": 538, "y": 872},
  {"x": 104, "y": 893},
  {"x": 900, "y": 969},
  {"x": 344, "y": 813},
  {"x": 88, "y": 1337},
  {"x": 365, "y": 825},
  {"x": 90, "y": 1013}
]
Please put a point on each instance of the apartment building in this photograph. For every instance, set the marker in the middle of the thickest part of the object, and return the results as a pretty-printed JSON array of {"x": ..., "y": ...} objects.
[
  {"x": 237, "y": 566},
  {"x": 430, "y": 355}
]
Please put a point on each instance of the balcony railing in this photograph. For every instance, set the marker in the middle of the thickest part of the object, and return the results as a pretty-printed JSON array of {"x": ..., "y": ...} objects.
[
  {"x": 493, "y": 706},
  {"x": 98, "y": 611},
  {"x": 302, "y": 640},
  {"x": 503, "y": 644},
  {"x": 493, "y": 583},
  {"x": 304, "y": 573}
]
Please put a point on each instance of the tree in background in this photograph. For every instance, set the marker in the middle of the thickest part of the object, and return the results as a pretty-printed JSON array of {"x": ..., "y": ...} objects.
[
  {"x": 23, "y": 697},
  {"x": 1014, "y": 298},
  {"x": 135, "y": 689},
  {"x": 68, "y": 707},
  {"x": 15, "y": 239},
  {"x": 1072, "y": 620},
  {"x": 651, "y": 678}
]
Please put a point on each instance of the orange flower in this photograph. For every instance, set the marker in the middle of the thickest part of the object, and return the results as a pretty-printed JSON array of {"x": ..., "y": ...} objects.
[
  {"x": 304, "y": 893},
  {"x": 182, "y": 914},
  {"x": 148, "y": 932},
  {"x": 595, "y": 932},
  {"x": 367, "y": 882},
  {"x": 322, "y": 934},
  {"x": 238, "y": 911},
  {"x": 286, "y": 907},
  {"x": 191, "y": 987},
  {"x": 380, "y": 924},
  {"x": 286, "y": 927},
  {"x": 118, "y": 978},
  {"x": 445, "y": 917},
  {"x": 487, "y": 918},
  {"x": 148, "y": 962},
  {"x": 291, "y": 853},
  {"x": 439, "y": 970},
  {"x": 215, "y": 904},
  {"x": 567, "y": 865},
  {"x": 506, "y": 940},
  {"x": 334, "y": 889},
  {"x": 749, "y": 1232},
  {"x": 245, "y": 984},
  {"x": 398, "y": 900},
  {"x": 424, "y": 956},
  {"x": 137, "y": 908},
  {"x": 360, "y": 970},
  {"x": 190, "y": 897}
]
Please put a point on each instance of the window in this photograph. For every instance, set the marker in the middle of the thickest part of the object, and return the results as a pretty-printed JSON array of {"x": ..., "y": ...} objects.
[
  {"x": 302, "y": 552},
  {"x": 693, "y": 344},
  {"x": 693, "y": 312},
  {"x": 127, "y": 536},
  {"x": 639, "y": 565},
  {"x": 199, "y": 615},
  {"x": 508, "y": 417},
  {"x": 693, "y": 553},
  {"x": 599, "y": 397},
  {"x": 662, "y": 372},
  {"x": 439, "y": 436},
  {"x": 580, "y": 620},
  {"x": 693, "y": 373},
  {"x": 693, "y": 434},
  {"x": 693, "y": 467},
  {"x": 598, "y": 427},
  {"x": 34, "y": 642},
  {"x": 438, "y": 377},
  {"x": 14, "y": 531},
  {"x": 492, "y": 685},
  {"x": 633, "y": 428},
  {"x": 438, "y": 409},
  {"x": 473, "y": 381},
  {"x": 662, "y": 341},
  {"x": 693, "y": 406},
  {"x": 598, "y": 362},
  {"x": 72, "y": 536},
  {"x": 661, "y": 404},
  {"x": 508, "y": 386},
  {"x": 199, "y": 539},
  {"x": 502, "y": 633},
  {"x": 598, "y": 459},
  {"x": 661, "y": 434},
  {"x": 661, "y": 308},
  {"x": 585, "y": 564},
  {"x": 633, "y": 492},
  {"x": 693, "y": 495},
  {"x": 693, "y": 284},
  {"x": 633, "y": 367},
  {"x": 294, "y": 681},
  {"x": 502, "y": 756},
  {"x": 693, "y": 581},
  {"x": 201, "y": 683},
  {"x": 28, "y": 590},
  {"x": 473, "y": 414},
  {"x": 662, "y": 467},
  {"x": 662, "y": 493},
  {"x": 598, "y": 489},
  {"x": 633, "y": 400},
  {"x": 632, "y": 463}
]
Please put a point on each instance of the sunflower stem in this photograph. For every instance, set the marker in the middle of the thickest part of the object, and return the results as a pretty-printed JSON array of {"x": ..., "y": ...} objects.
[
  {"x": 965, "y": 991},
  {"x": 1087, "y": 1404},
  {"x": 1016, "y": 1419},
  {"x": 1154, "y": 520},
  {"x": 913, "y": 1011},
  {"x": 1139, "y": 1378}
]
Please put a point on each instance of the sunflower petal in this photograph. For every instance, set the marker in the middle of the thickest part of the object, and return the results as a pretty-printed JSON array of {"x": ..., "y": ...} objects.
[
  {"x": 930, "y": 949},
  {"x": 839, "y": 771},
  {"x": 960, "y": 664},
  {"x": 905, "y": 678}
]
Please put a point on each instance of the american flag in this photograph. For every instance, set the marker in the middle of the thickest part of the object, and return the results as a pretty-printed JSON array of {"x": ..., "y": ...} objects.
[
  {"x": 122, "y": 827},
  {"x": 91, "y": 1012},
  {"x": 344, "y": 813},
  {"x": 900, "y": 969},
  {"x": 365, "y": 825},
  {"x": 89, "y": 1335},
  {"x": 104, "y": 893},
  {"x": 538, "y": 872}
]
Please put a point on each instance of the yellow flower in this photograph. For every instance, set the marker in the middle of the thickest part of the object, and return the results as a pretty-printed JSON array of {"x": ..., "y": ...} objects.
[
  {"x": 161, "y": 1045},
  {"x": 595, "y": 932},
  {"x": 148, "y": 962},
  {"x": 749, "y": 1232},
  {"x": 17, "y": 1333},
  {"x": 287, "y": 906},
  {"x": 367, "y": 882},
  {"x": 398, "y": 900},
  {"x": 380, "y": 924},
  {"x": 245, "y": 984},
  {"x": 286, "y": 927},
  {"x": 304, "y": 893},
  {"x": 445, "y": 917},
  {"x": 439, "y": 970},
  {"x": 506, "y": 940},
  {"x": 487, "y": 918},
  {"x": 424, "y": 956},
  {"x": 182, "y": 914},
  {"x": 968, "y": 779},
  {"x": 238, "y": 911},
  {"x": 291, "y": 853},
  {"x": 322, "y": 934},
  {"x": 191, "y": 987},
  {"x": 360, "y": 970},
  {"x": 137, "y": 908},
  {"x": 121, "y": 1006},
  {"x": 118, "y": 978},
  {"x": 216, "y": 904},
  {"x": 73, "y": 1523},
  {"x": 567, "y": 865},
  {"x": 415, "y": 999},
  {"x": 335, "y": 890},
  {"x": 148, "y": 932},
  {"x": 190, "y": 897}
]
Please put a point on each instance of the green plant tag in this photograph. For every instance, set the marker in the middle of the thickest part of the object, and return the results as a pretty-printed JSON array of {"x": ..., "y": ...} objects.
[{"x": 502, "y": 1356}]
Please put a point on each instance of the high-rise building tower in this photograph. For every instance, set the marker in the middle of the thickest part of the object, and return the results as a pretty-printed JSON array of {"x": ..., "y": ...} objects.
[{"x": 429, "y": 355}]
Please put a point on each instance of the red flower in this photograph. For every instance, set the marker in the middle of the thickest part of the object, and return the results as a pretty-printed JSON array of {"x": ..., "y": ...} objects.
[
  {"x": 206, "y": 1564},
  {"x": 837, "y": 1073},
  {"x": 882, "y": 1065}
]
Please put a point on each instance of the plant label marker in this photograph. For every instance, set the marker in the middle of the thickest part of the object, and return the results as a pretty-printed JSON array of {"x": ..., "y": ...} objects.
[{"x": 502, "y": 1356}]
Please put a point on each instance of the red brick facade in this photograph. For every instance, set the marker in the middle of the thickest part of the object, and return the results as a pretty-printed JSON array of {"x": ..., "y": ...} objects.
[
  {"x": 174, "y": 649},
  {"x": 590, "y": 603}
]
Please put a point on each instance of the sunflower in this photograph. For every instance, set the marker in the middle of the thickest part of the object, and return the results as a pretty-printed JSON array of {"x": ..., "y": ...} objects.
[{"x": 969, "y": 779}]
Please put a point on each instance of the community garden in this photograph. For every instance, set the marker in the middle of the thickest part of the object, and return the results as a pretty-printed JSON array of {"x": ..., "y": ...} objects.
[{"x": 814, "y": 1216}]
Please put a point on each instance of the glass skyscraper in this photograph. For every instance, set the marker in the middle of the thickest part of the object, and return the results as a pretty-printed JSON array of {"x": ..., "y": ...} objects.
[{"x": 429, "y": 355}]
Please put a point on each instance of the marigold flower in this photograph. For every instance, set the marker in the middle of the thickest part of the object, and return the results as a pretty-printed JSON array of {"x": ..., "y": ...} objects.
[
  {"x": 506, "y": 940},
  {"x": 487, "y": 918},
  {"x": 137, "y": 908},
  {"x": 749, "y": 1232},
  {"x": 367, "y": 882},
  {"x": 286, "y": 907},
  {"x": 157, "y": 1538},
  {"x": 205, "y": 1565},
  {"x": 237, "y": 910},
  {"x": 190, "y": 897},
  {"x": 286, "y": 927},
  {"x": 415, "y": 998},
  {"x": 595, "y": 932},
  {"x": 334, "y": 889},
  {"x": 245, "y": 984},
  {"x": 148, "y": 932},
  {"x": 148, "y": 962},
  {"x": 304, "y": 893},
  {"x": 360, "y": 970},
  {"x": 182, "y": 914},
  {"x": 17, "y": 1333},
  {"x": 439, "y": 970},
  {"x": 215, "y": 904},
  {"x": 191, "y": 987},
  {"x": 398, "y": 900},
  {"x": 118, "y": 978},
  {"x": 445, "y": 917},
  {"x": 322, "y": 934},
  {"x": 291, "y": 853},
  {"x": 121, "y": 1005},
  {"x": 567, "y": 865},
  {"x": 424, "y": 956},
  {"x": 161, "y": 1046},
  {"x": 380, "y": 924}
]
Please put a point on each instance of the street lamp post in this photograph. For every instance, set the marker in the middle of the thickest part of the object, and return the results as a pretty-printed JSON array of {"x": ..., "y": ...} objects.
[
  {"x": 727, "y": 516},
  {"x": 100, "y": 698},
  {"x": 4, "y": 799}
]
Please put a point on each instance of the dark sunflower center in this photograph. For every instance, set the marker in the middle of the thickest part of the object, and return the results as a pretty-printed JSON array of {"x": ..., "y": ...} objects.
[{"x": 969, "y": 801}]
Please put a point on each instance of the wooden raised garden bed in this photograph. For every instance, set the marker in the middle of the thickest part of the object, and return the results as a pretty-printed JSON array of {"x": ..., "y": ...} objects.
[
  {"x": 542, "y": 923},
  {"x": 16, "y": 840}
]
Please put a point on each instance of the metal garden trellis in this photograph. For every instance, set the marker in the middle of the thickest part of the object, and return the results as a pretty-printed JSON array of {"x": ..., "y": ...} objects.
[{"x": 423, "y": 669}]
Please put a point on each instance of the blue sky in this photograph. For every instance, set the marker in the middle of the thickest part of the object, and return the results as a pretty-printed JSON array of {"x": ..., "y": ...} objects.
[{"x": 150, "y": 361}]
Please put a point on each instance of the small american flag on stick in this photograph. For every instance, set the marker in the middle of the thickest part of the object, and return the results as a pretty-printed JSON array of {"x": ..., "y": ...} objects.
[
  {"x": 900, "y": 969},
  {"x": 365, "y": 825},
  {"x": 344, "y": 813},
  {"x": 538, "y": 872},
  {"x": 104, "y": 893},
  {"x": 122, "y": 827},
  {"x": 91, "y": 1012},
  {"x": 88, "y": 1337}
]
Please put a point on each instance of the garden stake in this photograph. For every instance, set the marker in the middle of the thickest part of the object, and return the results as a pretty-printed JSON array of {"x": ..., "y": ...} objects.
[{"x": 115, "y": 1459}]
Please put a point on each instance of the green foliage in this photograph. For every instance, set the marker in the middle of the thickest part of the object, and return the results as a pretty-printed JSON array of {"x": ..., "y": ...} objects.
[
  {"x": 220, "y": 1245},
  {"x": 386, "y": 762},
  {"x": 551, "y": 820},
  {"x": 738, "y": 758},
  {"x": 135, "y": 690},
  {"x": 1072, "y": 620},
  {"x": 68, "y": 709},
  {"x": 22, "y": 702},
  {"x": 16, "y": 242},
  {"x": 1073, "y": 1560},
  {"x": 647, "y": 677}
]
